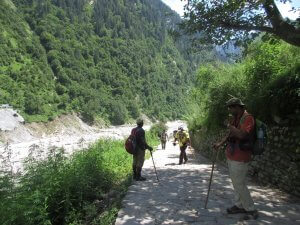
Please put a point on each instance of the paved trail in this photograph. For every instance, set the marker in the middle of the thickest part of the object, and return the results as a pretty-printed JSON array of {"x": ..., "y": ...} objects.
[{"x": 180, "y": 195}]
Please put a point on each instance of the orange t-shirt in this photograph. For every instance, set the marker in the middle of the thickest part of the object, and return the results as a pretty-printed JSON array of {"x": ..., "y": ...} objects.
[{"x": 248, "y": 126}]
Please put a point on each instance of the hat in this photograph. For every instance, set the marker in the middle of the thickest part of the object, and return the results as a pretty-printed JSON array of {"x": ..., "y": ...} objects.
[{"x": 234, "y": 101}]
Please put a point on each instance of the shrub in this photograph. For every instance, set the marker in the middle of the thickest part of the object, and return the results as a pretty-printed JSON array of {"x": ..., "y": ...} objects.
[
  {"x": 59, "y": 190},
  {"x": 267, "y": 81},
  {"x": 158, "y": 128},
  {"x": 118, "y": 114},
  {"x": 280, "y": 98}
]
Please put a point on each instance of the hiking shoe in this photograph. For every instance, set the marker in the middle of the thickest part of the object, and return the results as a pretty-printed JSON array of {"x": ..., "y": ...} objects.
[
  {"x": 250, "y": 215},
  {"x": 234, "y": 210},
  {"x": 185, "y": 161}
]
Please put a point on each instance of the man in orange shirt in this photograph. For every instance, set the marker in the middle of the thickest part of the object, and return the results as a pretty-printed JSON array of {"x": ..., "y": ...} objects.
[{"x": 238, "y": 153}]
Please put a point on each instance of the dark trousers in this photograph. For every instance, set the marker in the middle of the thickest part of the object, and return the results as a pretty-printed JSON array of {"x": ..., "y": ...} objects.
[
  {"x": 163, "y": 144},
  {"x": 182, "y": 154}
]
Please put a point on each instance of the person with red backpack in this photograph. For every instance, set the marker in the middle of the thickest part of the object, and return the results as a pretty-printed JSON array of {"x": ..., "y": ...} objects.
[
  {"x": 238, "y": 152},
  {"x": 139, "y": 155}
]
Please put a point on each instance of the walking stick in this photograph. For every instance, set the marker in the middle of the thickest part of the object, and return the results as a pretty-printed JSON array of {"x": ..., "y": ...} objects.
[
  {"x": 154, "y": 166},
  {"x": 211, "y": 175}
]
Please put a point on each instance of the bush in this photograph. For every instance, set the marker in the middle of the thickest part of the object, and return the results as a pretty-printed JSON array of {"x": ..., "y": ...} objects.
[
  {"x": 272, "y": 70},
  {"x": 215, "y": 85},
  {"x": 134, "y": 110},
  {"x": 267, "y": 81},
  {"x": 118, "y": 114},
  {"x": 158, "y": 128},
  {"x": 58, "y": 190},
  {"x": 280, "y": 98}
]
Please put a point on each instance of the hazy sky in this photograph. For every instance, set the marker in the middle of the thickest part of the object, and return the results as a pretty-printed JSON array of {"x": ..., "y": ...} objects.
[{"x": 177, "y": 5}]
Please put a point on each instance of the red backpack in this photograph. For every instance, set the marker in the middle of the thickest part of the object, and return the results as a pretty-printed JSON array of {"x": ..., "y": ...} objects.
[{"x": 130, "y": 143}]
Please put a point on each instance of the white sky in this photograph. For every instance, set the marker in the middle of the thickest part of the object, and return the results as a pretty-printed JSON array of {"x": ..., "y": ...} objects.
[
  {"x": 177, "y": 5},
  {"x": 285, "y": 8}
]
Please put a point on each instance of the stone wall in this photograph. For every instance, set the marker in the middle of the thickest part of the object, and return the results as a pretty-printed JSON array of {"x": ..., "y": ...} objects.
[{"x": 279, "y": 165}]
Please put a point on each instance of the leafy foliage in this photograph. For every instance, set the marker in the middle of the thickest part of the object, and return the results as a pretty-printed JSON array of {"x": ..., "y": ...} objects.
[
  {"x": 238, "y": 21},
  {"x": 272, "y": 69},
  {"x": 158, "y": 128},
  {"x": 109, "y": 59},
  {"x": 267, "y": 80},
  {"x": 83, "y": 189}
]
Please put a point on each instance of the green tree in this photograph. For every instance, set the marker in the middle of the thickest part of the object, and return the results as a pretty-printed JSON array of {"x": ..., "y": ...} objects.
[
  {"x": 222, "y": 21},
  {"x": 82, "y": 56},
  {"x": 119, "y": 113}
]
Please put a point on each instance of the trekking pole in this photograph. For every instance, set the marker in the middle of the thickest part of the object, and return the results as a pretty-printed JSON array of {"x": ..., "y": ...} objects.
[
  {"x": 211, "y": 175},
  {"x": 154, "y": 166}
]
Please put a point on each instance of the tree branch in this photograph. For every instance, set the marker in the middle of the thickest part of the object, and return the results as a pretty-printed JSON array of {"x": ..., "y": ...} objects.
[
  {"x": 247, "y": 27},
  {"x": 273, "y": 13},
  {"x": 241, "y": 17}
]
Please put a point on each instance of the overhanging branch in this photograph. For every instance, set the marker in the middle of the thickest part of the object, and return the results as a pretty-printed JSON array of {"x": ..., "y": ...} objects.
[{"x": 247, "y": 27}]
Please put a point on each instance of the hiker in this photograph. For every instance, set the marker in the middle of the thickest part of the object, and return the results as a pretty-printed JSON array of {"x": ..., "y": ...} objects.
[
  {"x": 141, "y": 146},
  {"x": 241, "y": 129},
  {"x": 184, "y": 140},
  {"x": 163, "y": 139},
  {"x": 174, "y": 137}
]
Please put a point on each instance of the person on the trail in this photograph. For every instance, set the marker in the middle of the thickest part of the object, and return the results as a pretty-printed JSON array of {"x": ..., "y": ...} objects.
[
  {"x": 241, "y": 129},
  {"x": 141, "y": 146},
  {"x": 184, "y": 140},
  {"x": 163, "y": 139},
  {"x": 174, "y": 137}
]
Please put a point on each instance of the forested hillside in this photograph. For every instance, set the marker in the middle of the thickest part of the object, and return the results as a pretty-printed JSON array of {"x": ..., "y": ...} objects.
[{"x": 106, "y": 59}]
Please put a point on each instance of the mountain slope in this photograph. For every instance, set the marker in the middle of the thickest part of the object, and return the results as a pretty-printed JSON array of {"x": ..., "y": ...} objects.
[{"x": 103, "y": 59}]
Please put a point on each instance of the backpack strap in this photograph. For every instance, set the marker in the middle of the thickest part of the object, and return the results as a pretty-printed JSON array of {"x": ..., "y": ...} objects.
[
  {"x": 134, "y": 131},
  {"x": 244, "y": 116},
  {"x": 252, "y": 134}
]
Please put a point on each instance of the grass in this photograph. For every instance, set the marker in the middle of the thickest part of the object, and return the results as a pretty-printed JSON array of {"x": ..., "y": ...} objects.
[{"x": 86, "y": 188}]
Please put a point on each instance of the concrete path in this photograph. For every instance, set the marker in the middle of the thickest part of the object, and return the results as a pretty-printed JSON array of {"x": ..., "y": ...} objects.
[{"x": 180, "y": 195}]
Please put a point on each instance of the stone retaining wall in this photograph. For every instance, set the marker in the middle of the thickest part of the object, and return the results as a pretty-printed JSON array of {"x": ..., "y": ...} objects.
[{"x": 279, "y": 165}]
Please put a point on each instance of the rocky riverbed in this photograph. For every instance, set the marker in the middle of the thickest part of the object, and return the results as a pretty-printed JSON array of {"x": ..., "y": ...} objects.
[{"x": 18, "y": 139}]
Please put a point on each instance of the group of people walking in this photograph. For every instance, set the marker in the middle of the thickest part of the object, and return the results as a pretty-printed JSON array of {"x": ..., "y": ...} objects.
[
  {"x": 240, "y": 129},
  {"x": 182, "y": 137}
]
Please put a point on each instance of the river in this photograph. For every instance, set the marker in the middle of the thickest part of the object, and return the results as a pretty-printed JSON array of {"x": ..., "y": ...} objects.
[{"x": 13, "y": 154}]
